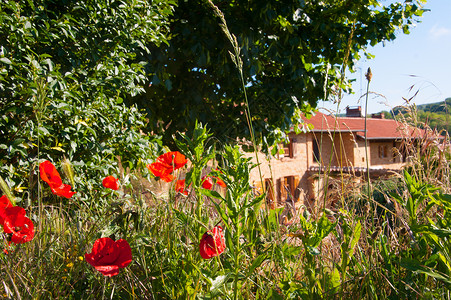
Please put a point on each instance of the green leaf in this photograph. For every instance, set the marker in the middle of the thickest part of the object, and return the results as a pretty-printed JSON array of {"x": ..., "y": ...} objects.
[
  {"x": 5, "y": 60},
  {"x": 212, "y": 194},
  {"x": 416, "y": 266},
  {"x": 256, "y": 263},
  {"x": 218, "y": 283},
  {"x": 43, "y": 130},
  {"x": 335, "y": 278},
  {"x": 355, "y": 238}
]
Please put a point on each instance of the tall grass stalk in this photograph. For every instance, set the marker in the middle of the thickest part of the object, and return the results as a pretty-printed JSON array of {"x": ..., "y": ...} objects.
[
  {"x": 236, "y": 58},
  {"x": 344, "y": 65},
  {"x": 368, "y": 76}
]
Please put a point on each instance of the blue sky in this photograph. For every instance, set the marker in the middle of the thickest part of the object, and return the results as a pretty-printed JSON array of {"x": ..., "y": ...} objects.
[{"x": 418, "y": 62}]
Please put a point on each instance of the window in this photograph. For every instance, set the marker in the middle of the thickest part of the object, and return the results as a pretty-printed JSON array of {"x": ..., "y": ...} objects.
[
  {"x": 316, "y": 157},
  {"x": 382, "y": 151},
  {"x": 287, "y": 150},
  {"x": 287, "y": 185}
]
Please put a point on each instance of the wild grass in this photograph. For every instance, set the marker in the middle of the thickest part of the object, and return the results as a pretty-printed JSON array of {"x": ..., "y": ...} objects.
[
  {"x": 390, "y": 240},
  {"x": 367, "y": 248}
]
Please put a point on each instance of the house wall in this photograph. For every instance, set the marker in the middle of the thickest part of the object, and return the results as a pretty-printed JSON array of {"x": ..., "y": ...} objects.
[
  {"x": 339, "y": 147},
  {"x": 279, "y": 169},
  {"x": 360, "y": 153},
  {"x": 384, "y": 155},
  {"x": 284, "y": 170}
]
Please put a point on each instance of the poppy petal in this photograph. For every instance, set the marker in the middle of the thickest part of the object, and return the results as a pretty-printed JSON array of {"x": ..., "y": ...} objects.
[
  {"x": 110, "y": 182},
  {"x": 102, "y": 245},
  {"x": 207, "y": 183},
  {"x": 109, "y": 271},
  {"x": 161, "y": 170},
  {"x": 125, "y": 253},
  {"x": 174, "y": 159},
  {"x": 180, "y": 187},
  {"x": 64, "y": 190},
  {"x": 21, "y": 227},
  {"x": 207, "y": 247},
  {"x": 212, "y": 243},
  {"x": 49, "y": 173},
  {"x": 109, "y": 256},
  {"x": 4, "y": 204},
  {"x": 220, "y": 182}
]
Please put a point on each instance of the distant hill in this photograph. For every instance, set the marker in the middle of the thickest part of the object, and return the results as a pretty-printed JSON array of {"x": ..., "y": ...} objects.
[
  {"x": 444, "y": 106},
  {"x": 436, "y": 115}
]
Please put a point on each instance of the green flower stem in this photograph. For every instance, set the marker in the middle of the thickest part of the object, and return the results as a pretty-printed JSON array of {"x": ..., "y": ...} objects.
[{"x": 368, "y": 77}]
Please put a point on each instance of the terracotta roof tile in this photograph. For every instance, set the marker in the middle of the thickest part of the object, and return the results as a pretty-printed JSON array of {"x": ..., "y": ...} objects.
[{"x": 376, "y": 128}]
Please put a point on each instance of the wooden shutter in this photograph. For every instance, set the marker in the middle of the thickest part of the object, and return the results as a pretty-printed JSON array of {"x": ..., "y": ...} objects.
[
  {"x": 281, "y": 189},
  {"x": 283, "y": 182},
  {"x": 289, "y": 184},
  {"x": 288, "y": 149}
]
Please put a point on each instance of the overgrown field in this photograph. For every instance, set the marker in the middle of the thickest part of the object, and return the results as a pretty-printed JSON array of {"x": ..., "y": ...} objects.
[
  {"x": 114, "y": 186},
  {"x": 166, "y": 242}
]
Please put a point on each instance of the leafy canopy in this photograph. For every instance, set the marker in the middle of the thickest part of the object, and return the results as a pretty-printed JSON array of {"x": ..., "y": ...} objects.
[
  {"x": 65, "y": 68},
  {"x": 293, "y": 55}
]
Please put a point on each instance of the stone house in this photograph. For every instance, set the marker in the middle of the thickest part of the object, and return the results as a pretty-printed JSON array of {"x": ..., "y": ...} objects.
[{"x": 333, "y": 146}]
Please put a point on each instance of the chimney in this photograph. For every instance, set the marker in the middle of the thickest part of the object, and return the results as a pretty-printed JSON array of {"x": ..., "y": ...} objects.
[
  {"x": 378, "y": 116},
  {"x": 354, "y": 112}
]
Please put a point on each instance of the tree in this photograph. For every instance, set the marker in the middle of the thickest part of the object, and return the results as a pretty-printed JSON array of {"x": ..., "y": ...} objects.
[
  {"x": 294, "y": 53},
  {"x": 65, "y": 68}
]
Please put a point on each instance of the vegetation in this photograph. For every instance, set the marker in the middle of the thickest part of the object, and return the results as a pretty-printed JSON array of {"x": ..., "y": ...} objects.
[
  {"x": 293, "y": 53},
  {"x": 396, "y": 245},
  {"x": 65, "y": 69},
  {"x": 435, "y": 115},
  {"x": 91, "y": 210}
]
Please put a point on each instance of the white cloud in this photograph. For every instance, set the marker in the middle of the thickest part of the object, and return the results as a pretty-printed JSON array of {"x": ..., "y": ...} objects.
[{"x": 437, "y": 32}]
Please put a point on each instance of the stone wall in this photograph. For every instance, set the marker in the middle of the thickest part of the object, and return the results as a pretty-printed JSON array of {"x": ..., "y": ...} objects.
[{"x": 296, "y": 173}]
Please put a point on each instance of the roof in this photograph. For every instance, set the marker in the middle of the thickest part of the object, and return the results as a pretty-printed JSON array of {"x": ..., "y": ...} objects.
[
  {"x": 322, "y": 122},
  {"x": 377, "y": 129}
]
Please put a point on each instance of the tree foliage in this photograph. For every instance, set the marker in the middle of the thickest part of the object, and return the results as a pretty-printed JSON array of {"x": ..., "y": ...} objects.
[
  {"x": 65, "y": 68},
  {"x": 294, "y": 53}
]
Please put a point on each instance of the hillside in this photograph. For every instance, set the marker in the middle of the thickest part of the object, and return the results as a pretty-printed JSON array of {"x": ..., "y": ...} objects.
[{"x": 436, "y": 115}]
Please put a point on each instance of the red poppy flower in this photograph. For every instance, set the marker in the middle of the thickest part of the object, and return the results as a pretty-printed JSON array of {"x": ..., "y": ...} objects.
[
  {"x": 173, "y": 159},
  {"x": 212, "y": 243},
  {"x": 21, "y": 227},
  {"x": 108, "y": 256},
  {"x": 220, "y": 182},
  {"x": 180, "y": 187},
  {"x": 110, "y": 182},
  {"x": 207, "y": 182},
  {"x": 166, "y": 164},
  {"x": 4, "y": 204},
  {"x": 161, "y": 170},
  {"x": 50, "y": 175}
]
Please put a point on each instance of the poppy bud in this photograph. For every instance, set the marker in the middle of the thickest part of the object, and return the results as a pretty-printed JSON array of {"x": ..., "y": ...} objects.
[
  {"x": 68, "y": 170},
  {"x": 369, "y": 75}
]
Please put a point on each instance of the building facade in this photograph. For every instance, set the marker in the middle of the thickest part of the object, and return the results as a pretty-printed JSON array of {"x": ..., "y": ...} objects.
[{"x": 335, "y": 146}]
